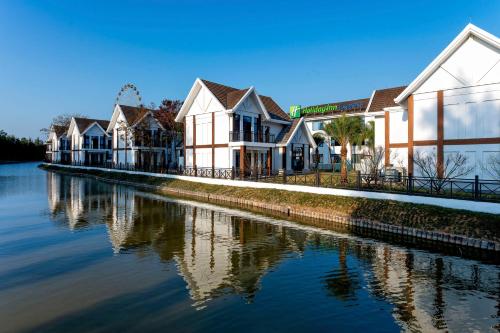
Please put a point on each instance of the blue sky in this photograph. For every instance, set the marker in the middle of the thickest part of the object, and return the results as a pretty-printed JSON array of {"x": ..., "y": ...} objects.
[{"x": 73, "y": 56}]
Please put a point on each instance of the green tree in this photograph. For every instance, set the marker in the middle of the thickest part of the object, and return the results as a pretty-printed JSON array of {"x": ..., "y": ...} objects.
[
  {"x": 345, "y": 130},
  {"x": 319, "y": 139}
]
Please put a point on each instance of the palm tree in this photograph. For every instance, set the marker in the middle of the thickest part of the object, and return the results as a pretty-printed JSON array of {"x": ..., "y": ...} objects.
[
  {"x": 345, "y": 130},
  {"x": 319, "y": 139},
  {"x": 368, "y": 135}
]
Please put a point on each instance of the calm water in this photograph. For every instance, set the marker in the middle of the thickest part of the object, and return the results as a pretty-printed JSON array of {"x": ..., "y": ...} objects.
[{"x": 77, "y": 255}]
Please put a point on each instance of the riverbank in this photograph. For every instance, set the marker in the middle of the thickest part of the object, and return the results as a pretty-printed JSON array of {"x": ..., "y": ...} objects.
[{"x": 424, "y": 221}]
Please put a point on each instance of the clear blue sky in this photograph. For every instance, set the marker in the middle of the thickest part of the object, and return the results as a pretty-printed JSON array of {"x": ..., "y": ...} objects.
[{"x": 73, "y": 56}]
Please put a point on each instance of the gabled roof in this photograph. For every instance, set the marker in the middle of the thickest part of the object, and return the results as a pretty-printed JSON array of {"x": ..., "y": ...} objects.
[
  {"x": 274, "y": 110},
  {"x": 133, "y": 114},
  {"x": 288, "y": 132},
  {"x": 384, "y": 98},
  {"x": 85, "y": 123},
  {"x": 59, "y": 130},
  {"x": 469, "y": 30},
  {"x": 229, "y": 98}
]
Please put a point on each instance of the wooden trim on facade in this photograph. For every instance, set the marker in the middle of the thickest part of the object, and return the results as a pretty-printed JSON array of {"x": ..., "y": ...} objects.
[
  {"x": 398, "y": 145},
  {"x": 194, "y": 141},
  {"x": 184, "y": 140},
  {"x": 387, "y": 138},
  {"x": 242, "y": 161},
  {"x": 440, "y": 135},
  {"x": 410, "y": 134},
  {"x": 213, "y": 140},
  {"x": 478, "y": 141},
  {"x": 218, "y": 145},
  {"x": 425, "y": 143},
  {"x": 269, "y": 161},
  {"x": 449, "y": 142}
]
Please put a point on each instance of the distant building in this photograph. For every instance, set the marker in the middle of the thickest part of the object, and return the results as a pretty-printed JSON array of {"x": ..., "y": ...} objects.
[
  {"x": 139, "y": 138},
  {"x": 90, "y": 143},
  {"x": 58, "y": 148}
]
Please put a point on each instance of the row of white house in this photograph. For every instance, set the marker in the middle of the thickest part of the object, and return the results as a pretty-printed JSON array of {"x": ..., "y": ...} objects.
[
  {"x": 133, "y": 136},
  {"x": 452, "y": 107}
]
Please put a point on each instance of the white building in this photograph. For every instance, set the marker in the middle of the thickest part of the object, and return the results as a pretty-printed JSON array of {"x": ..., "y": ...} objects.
[
  {"x": 452, "y": 107},
  {"x": 139, "y": 138},
  {"x": 58, "y": 146},
  {"x": 90, "y": 143},
  {"x": 228, "y": 128}
]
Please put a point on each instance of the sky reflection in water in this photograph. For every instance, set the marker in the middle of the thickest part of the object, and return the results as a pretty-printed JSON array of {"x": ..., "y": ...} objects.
[{"x": 83, "y": 255}]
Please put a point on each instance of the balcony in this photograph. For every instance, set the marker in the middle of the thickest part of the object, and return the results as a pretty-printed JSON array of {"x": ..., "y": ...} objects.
[{"x": 251, "y": 137}]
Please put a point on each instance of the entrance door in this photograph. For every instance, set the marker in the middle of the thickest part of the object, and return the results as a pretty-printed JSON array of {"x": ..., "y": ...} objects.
[{"x": 298, "y": 159}]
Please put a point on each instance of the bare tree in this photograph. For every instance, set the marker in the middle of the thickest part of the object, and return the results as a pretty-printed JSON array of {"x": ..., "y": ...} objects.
[
  {"x": 454, "y": 166},
  {"x": 62, "y": 120},
  {"x": 145, "y": 136},
  {"x": 371, "y": 163},
  {"x": 173, "y": 130},
  {"x": 492, "y": 166}
]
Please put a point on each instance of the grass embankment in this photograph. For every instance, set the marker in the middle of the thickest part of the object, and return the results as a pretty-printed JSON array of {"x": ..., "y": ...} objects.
[{"x": 431, "y": 218}]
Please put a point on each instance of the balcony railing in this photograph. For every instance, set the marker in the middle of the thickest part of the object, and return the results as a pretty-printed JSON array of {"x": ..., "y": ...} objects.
[{"x": 251, "y": 137}]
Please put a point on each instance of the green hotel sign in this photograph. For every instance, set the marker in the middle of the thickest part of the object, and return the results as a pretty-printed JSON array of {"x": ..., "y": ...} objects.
[{"x": 296, "y": 111}]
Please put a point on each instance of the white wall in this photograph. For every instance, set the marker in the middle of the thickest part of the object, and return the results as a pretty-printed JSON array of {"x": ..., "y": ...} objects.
[
  {"x": 221, "y": 127},
  {"x": 204, "y": 129},
  {"x": 472, "y": 112},
  {"x": 203, "y": 157},
  {"x": 398, "y": 126},
  {"x": 223, "y": 157},
  {"x": 424, "y": 117},
  {"x": 380, "y": 131}
]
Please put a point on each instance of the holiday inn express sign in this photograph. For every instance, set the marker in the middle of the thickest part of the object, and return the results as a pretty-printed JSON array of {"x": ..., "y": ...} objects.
[{"x": 296, "y": 111}]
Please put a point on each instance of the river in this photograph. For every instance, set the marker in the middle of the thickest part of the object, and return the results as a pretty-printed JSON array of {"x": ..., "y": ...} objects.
[{"x": 80, "y": 255}]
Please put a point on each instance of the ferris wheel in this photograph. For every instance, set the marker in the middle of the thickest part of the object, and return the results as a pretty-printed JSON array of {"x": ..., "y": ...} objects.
[{"x": 129, "y": 95}]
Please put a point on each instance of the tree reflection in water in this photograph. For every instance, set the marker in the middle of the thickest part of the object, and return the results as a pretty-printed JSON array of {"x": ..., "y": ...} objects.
[{"x": 219, "y": 253}]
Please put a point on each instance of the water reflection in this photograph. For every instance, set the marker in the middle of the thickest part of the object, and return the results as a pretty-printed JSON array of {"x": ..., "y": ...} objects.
[{"x": 219, "y": 252}]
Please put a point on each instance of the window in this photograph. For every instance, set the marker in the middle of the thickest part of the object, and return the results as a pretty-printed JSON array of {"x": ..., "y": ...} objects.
[
  {"x": 318, "y": 125},
  {"x": 236, "y": 123}
]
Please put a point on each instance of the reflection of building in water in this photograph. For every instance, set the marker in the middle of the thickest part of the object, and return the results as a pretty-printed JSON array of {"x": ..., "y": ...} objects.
[
  {"x": 218, "y": 254},
  {"x": 224, "y": 254},
  {"x": 122, "y": 216},
  {"x": 76, "y": 201},
  {"x": 429, "y": 292}
]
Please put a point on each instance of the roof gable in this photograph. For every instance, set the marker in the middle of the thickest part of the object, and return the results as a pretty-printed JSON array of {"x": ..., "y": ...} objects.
[
  {"x": 230, "y": 98},
  {"x": 469, "y": 31},
  {"x": 384, "y": 98},
  {"x": 84, "y": 124},
  {"x": 288, "y": 133}
]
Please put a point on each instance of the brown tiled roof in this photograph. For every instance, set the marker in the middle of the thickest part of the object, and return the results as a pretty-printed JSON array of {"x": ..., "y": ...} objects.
[
  {"x": 59, "y": 130},
  {"x": 384, "y": 98},
  {"x": 287, "y": 131},
  {"x": 274, "y": 110},
  {"x": 234, "y": 97},
  {"x": 229, "y": 97},
  {"x": 84, "y": 123},
  {"x": 342, "y": 107},
  {"x": 133, "y": 113}
]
